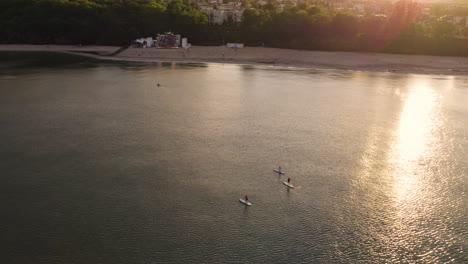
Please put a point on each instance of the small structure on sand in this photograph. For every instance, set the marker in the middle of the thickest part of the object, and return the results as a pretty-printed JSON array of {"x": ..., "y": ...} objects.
[
  {"x": 167, "y": 40},
  {"x": 235, "y": 45}
]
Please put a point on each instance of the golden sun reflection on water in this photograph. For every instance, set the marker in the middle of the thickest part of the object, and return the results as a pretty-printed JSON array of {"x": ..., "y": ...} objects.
[
  {"x": 414, "y": 134},
  {"x": 401, "y": 176},
  {"x": 413, "y": 189},
  {"x": 415, "y": 124}
]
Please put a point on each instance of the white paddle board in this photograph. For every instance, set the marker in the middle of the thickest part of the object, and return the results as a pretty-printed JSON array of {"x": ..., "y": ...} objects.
[
  {"x": 289, "y": 185},
  {"x": 245, "y": 202},
  {"x": 278, "y": 171}
]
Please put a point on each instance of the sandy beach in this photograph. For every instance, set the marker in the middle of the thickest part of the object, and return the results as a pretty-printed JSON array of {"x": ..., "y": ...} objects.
[
  {"x": 380, "y": 62},
  {"x": 99, "y": 50}
]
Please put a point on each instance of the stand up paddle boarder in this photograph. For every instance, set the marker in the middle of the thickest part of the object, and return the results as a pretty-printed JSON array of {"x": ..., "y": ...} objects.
[
  {"x": 288, "y": 184},
  {"x": 279, "y": 170}
]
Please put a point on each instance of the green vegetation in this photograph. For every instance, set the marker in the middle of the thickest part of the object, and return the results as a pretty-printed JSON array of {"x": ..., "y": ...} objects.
[
  {"x": 402, "y": 28},
  {"x": 113, "y": 22}
]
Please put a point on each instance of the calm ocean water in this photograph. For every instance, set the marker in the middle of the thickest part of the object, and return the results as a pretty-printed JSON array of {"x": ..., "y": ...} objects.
[{"x": 100, "y": 165}]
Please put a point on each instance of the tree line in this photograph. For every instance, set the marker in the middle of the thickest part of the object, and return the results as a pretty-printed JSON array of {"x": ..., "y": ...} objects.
[
  {"x": 402, "y": 28},
  {"x": 311, "y": 25},
  {"x": 103, "y": 22}
]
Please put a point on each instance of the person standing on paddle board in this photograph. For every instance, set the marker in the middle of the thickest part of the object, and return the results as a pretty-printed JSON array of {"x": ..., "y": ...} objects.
[
  {"x": 246, "y": 198},
  {"x": 289, "y": 179}
]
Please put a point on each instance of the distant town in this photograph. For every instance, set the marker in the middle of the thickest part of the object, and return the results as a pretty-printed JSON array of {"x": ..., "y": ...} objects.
[{"x": 226, "y": 11}]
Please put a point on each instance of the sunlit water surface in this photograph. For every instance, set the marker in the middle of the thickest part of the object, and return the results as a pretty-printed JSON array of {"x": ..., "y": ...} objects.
[{"x": 100, "y": 165}]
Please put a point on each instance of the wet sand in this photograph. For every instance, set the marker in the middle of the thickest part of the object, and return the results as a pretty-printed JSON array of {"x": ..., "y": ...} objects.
[{"x": 380, "y": 62}]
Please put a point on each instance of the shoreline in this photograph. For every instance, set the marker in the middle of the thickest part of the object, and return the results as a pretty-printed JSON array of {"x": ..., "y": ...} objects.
[{"x": 354, "y": 61}]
